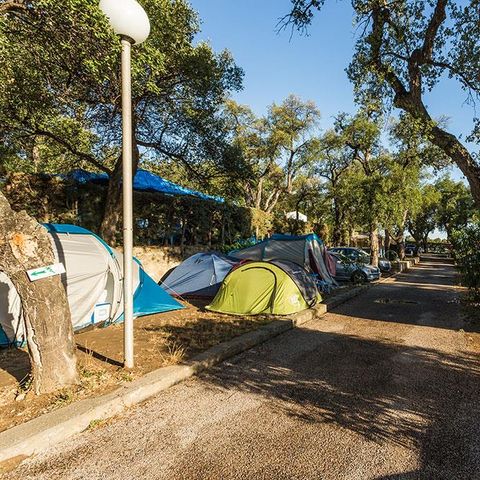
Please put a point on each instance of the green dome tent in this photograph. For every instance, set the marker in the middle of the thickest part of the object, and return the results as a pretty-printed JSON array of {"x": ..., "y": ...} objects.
[{"x": 279, "y": 288}]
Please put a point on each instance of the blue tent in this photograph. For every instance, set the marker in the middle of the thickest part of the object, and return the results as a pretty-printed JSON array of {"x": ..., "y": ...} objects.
[
  {"x": 144, "y": 181},
  {"x": 199, "y": 275},
  {"x": 93, "y": 282}
]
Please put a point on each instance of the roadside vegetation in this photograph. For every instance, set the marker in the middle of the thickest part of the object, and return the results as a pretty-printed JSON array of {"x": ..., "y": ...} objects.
[{"x": 466, "y": 244}]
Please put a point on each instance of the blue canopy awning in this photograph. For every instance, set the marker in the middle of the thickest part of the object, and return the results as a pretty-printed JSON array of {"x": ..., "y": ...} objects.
[{"x": 144, "y": 181}]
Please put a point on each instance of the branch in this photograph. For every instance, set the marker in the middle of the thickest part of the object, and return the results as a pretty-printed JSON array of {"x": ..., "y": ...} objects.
[
  {"x": 423, "y": 55},
  {"x": 84, "y": 156},
  {"x": 436, "y": 21},
  {"x": 174, "y": 155},
  {"x": 13, "y": 6},
  {"x": 380, "y": 18},
  {"x": 454, "y": 71}
]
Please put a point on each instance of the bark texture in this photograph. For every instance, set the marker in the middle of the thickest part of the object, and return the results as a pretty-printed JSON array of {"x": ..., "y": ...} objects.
[
  {"x": 375, "y": 247},
  {"x": 25, "y": 244},
  {"x": 112, "y": 216},
  {"x": 111, "y": 225}
]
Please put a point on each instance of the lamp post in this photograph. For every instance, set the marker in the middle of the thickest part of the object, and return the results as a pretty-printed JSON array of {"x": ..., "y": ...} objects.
[{"x": 130, "y": 22}]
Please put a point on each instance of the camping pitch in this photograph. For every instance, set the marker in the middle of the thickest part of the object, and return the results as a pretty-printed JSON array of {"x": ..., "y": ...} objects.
[
  {"x": 198, "y": 276},
  {"x": 279, "y": 288},
  {"x": 93, "y": 281},
  {"x": 305, "y": 250}
]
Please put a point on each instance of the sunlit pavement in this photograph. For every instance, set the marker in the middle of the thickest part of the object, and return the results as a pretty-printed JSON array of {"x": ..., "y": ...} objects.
[{"x": 385, "y": 387}]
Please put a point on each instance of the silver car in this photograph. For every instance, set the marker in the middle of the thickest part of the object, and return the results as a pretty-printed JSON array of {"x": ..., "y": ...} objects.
[{"x": 350, "y": 270}]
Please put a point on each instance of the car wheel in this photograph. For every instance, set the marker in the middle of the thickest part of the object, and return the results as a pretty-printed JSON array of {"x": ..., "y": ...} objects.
[{"x": 358, "y": 277}]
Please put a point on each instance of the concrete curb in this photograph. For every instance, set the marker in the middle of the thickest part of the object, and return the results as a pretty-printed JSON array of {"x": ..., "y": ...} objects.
[{"x": 49, "y": 429}]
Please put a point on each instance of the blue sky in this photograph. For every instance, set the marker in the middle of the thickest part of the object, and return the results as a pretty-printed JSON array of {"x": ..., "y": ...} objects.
[{"x": 312, "y": 67}]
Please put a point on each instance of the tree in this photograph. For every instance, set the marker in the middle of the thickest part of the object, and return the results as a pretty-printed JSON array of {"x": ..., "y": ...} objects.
[
  {"x": 455, "y": 206},
  {"x": 404, "y": 49},
  {"x": 24, "y": 245},
  {"x": 61, "y": 81},
  {"x": 308, "y": 196},
  {"x": 421, "y": 223},
  {"x": 413, "y": 153},
  {"x": 332, "y": 161},
  {"x": 361, "y": 134},
  {"x": 275, "y": 148}
]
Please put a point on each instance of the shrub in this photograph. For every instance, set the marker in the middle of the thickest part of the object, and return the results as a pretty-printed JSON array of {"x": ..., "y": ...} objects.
[{"x": 466, "y": 245}]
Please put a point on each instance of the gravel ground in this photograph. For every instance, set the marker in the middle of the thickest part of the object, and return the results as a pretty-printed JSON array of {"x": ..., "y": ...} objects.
[{"x": 385, "y": 387}]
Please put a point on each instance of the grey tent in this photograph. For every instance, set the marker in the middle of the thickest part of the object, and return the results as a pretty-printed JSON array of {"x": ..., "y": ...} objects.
[
  {"x": 199, "y": 275},
  {"x": 304, "y": 250}
]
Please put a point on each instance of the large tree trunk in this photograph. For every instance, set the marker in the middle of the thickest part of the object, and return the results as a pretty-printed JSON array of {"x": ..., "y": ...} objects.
[
  {"x": 111, "y": 225},
  {"x": 446, "y": 141},
  {"x": 401, "y": 248},
  {"x": 112, "y": 215},
  {"x": 425, "y": 243},
  {"x": 24, "y": 245},
  {"x": 374, "y": 245}
]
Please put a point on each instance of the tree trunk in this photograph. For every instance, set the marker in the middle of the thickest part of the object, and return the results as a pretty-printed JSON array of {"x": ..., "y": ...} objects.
[
  {"x": 337, "y": 224},
  {"x": 424, "y": 243},
  {"x": 401, "y": 248},
  {"x": 24, "y": 245},
  {"x": 374, "y": 245},
  {"x": 182, "y": 237},
  {"x": 388, "y": 241},
  {"x": 112, "y": 216}
]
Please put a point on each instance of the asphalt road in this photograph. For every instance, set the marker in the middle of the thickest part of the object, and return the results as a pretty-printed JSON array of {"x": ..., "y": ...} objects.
[{"x": 386, "y": 387}]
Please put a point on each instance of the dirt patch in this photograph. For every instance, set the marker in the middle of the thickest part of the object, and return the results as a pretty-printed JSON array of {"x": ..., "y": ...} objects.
[{"x": 160, "y": 340}]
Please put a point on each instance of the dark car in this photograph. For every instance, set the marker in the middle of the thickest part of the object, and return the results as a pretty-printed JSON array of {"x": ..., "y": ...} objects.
[
  {"x": 410, "y": 250},
  {"x": 350, "y": 270}
]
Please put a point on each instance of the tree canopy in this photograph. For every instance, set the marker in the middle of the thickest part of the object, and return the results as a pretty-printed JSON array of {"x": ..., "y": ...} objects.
[{"x": 403, "y": 50}]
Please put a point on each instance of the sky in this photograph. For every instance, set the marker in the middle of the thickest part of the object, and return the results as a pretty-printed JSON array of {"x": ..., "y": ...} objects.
[{"x": 312, "y": 67}]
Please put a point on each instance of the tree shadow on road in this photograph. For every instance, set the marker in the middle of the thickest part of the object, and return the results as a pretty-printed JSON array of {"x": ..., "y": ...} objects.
[{"x": 409, "y": 396}]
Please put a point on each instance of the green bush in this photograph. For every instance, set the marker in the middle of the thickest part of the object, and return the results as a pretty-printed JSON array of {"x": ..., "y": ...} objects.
[{"x": 466, "y": 245}]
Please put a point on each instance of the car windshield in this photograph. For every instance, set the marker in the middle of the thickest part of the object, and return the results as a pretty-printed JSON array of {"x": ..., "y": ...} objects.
[
  {"x": 340, "y": 256},
  {"x": 364, "y": 257}
]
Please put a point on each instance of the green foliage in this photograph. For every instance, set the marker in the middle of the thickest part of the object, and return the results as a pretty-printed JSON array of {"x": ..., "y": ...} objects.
[
  {"x": 261, "y": 222},
  {"x": 456, "y": 207},
  {"x": 275, "y": 148},
  {"x": 424, "y": 220},
  {"x": 466, "y": 244},
  {"x": 238, "y": 245},
  {"x": 60, "y": 86}
]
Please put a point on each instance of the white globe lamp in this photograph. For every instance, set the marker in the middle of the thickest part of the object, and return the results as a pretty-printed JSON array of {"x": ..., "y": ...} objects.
[{"x": 127, "y": 18}]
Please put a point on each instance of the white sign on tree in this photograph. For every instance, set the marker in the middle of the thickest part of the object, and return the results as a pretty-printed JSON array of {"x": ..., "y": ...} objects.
[{"x": 44, "y": 272}]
